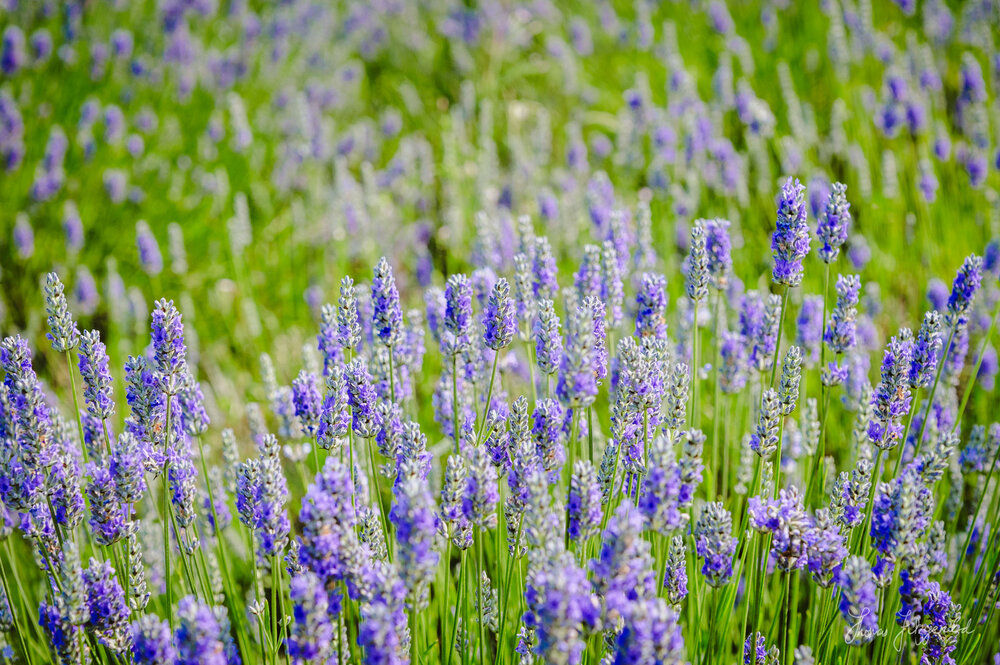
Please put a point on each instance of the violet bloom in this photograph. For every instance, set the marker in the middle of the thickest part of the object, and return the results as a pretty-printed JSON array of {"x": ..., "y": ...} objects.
[
  {"x": 787, "y": 521},
  {"x": 600, "y": 356},
  {"x": 149, "y": 250},
  {"x": 544, "y": 271},
  {"x": 387, "y": 317},
  {"x": 348, "y": 324},
  {"x": 562, "y": 609},
  {"x": 94, "y": 367},
  {"x": 312, "y": 631},
  {"x": 651, "y": 307},
  {"x": 577, "y": 385},
  {"x": 696, "y": 267},
  {"x": 548, "y": 343},
  {"x": 308, "y": 401},
  {"x": 24, "y": 237},
  {"x": 584, "y": 506},
  {"x": 30, "y": 413},
  {"x": 168, "y": 346},
  {"x": 926, "y": 350},
  {"x": 858, "y": 601},
  {"x": 719, "y": 249},
  {"x": 63, "y": 334},
  {"x": 152, "y": 641},
  {"x": 660, "y": 497},
  {"x": 790, "y": 242},
  {"x": 833, "y": 226},
  {"x": 413, "y": 517},
  {"x": 361, "y": 398},
  {"x": 107, "y": 606},
  {"x": 457, "y": 315},
  {"x": 499, "y": 318},
  {"x": 714, "y": 542},
  {"x": 335, "y": 417},
  {"x": 891, "y": 400},
  {"x": 328, "y": 518},
  {"x": 964, "y": 288},
  {"x": 200, "y": 636},
  {"x": 588, "y": 277},
  {"x": 900, "y": 514},
  {"x": 547, "y": 434},
  {"x": 328, "y": 339},
  {"x": 127, "y": 469}
]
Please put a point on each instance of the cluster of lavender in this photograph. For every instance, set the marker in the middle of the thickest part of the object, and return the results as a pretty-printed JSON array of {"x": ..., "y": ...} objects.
[
  {"x": 603, "y": 442},
  {"x": 567, "y": 528}
]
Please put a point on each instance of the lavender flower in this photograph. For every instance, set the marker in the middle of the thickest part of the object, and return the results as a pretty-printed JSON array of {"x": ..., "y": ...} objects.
[
  {"x": 335, "y": 418},
  {"x": 152, "y": 641},
  {"x": 548, "y": 344},
  {"x": 308, "y": 401},
  {"x": 96, "y": 376},
  {"x": 850, "y": 494},
  {"x": 840, "y": 333},
  {"x": 387, "y": 320},
  {"x": 714, "y": 543},
  {"x": 963, "y": 289},
  {"x": 127, "y": 469},
  {"x": 588, "y": 277},
  {"x": 833, "y": 226},
  {"x": 544, "y": 284},
  {"x": 413, "y": 516},
  {"x": 348, "y": 322},
  {"x": 584, "y": 502},
  {"x": 892, "y": 395},
  {"x": 149, "y": 250},
  {"x": 577, "y": 385},
  {"x": 764, "y": 440},
  {"x": 168, "y": 347},
  {"x": 651, "y": 302},
  {"x": 858, "y": 601},
  {"x": 499, "y": 318},
  {"x": 328, "y": 517},
  {"x": 107, "y": 520},
  {"x": 312, "y": 632},
  {"x": 675, "y": 572},
  {"x": 790, "y": 242},
  {"x": 481, "y": 494},
  {"x": 660, "y": 498},
  {"x": 107, "y": 606},
  {"x": 200, "y": 637},
  {"x": 719, "y": 249},
  {"x": 697, "y": 275},
  {"x": 562, "y": 610},
  {"x": 825, "y": 548},
  {"x": 787, "y": 522},
  {"x": 361, "y": 398},
  {"x": 328, "y": 339},
  {"x": 458, "y": 315},
  {"x": 612, "y": 291},
  {"x": 63, "y": 331},
  {"x": 925, "y": 353},
  {"x": 791, "y": 373},
  {"x": 30, "y": 413}
]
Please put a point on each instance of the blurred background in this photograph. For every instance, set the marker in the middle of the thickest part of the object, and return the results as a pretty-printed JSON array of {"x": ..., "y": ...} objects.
[{"x": 241, "y": 157}]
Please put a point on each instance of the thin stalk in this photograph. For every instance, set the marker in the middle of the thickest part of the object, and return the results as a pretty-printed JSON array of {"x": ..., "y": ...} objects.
[
  {"x": 489, "y": 396},
  {"x": 930, "y": 398}
]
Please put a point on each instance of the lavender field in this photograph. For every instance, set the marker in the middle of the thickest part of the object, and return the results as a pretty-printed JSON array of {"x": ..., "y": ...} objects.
[{"x": 454, "y": 333}]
